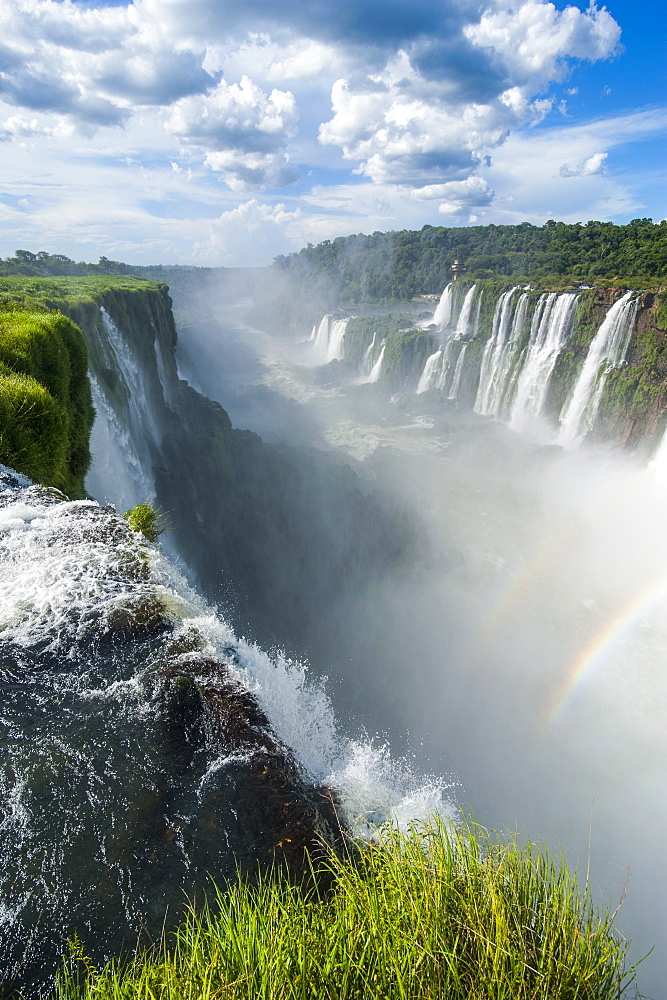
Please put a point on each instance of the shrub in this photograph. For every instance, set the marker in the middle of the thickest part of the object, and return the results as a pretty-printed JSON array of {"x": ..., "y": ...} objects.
[{"x": 146, "y": 519}]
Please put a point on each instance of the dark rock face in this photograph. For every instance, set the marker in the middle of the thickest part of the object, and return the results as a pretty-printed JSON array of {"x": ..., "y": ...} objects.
[
  {"x": 134, "y": 766},
  {"x": 284, "y": 817},
  {"x": 267, "y": 531}
]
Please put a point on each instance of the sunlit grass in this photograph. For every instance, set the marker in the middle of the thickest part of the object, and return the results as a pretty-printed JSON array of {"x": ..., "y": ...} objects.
[
  {"x": 439, "y": 913},
  {"x": 45, "y": 407}
]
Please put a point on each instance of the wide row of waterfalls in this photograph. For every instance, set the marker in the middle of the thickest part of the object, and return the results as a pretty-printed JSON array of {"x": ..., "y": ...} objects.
[{"x": 502, "y": 366}]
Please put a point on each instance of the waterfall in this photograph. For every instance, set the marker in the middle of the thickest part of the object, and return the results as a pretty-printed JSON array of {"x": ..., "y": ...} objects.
[
  {"x": 443, "y": 310},
  {"x": 336, "y": 350},
  {"x": 111, "y": 812},
  {"x": 320, "y": 339},
  {"x": 456, "y": 381},
  {"x": 376, "y": 370},
  {"x": 125, "y": 429},
  {"x": 551, "y": 325},
  {"x": 607, "y": 351},
  {"x": 446, "y": 365},
  {"x": 328, "y": 341},
  {"x": 429, "y": 376},
  {"x": 367, "y": 363},
  {"x": 493, "y": 351},
  {"x": 438, "y": 366},
  {"x": 500, "y": 354},
  {"x": 116, "y": 464},
  {"x": 464, "y": 327}
]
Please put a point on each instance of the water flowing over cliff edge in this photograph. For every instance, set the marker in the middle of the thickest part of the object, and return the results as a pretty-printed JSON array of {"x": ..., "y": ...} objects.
[
  {"x": 588, "y": 363},
  {"x": 162, "y": 748},
  {"x": 525, "y": 645},
  {"x": 510, "y": 643}
]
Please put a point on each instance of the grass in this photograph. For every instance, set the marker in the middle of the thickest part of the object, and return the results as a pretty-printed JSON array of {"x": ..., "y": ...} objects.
[
  {"x": 435, "y": 914},
  {"x": 45, "y": 406},
  {"x": 147, "y": 520}
]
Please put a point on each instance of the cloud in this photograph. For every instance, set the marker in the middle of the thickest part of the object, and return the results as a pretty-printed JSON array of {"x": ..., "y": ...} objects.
[
  {"x": 458, "y": 197},
  {"x": 427, "y": 88},
  {"x": 249, "y": 232},
  {"x": 432, "y": 113},
  {"x": 530, "y": 186},
  {"x": 591, "y": 165},
  {"x": 534, "y": 41},
  {"x": 242, "y": 132}
]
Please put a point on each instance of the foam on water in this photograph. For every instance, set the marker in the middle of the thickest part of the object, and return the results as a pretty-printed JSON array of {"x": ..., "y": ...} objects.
[{"x": 60, "y": 568}]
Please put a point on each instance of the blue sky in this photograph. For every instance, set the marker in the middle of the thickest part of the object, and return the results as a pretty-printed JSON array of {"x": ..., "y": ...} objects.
[{"x": 224, "y": 132}]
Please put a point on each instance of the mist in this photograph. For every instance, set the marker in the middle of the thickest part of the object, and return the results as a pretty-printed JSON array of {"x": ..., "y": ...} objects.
[{"x": 519, "y": 650}]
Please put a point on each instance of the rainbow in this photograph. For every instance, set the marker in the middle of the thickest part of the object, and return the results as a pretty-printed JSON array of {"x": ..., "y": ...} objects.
[{"x": 609, "y": 637}]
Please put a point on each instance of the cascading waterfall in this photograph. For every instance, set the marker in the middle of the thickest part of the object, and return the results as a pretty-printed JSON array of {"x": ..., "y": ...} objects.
[
  {"x": 367, "y": 363},
  {"x": 493, "y": 350},
  {"x": 109, "y": 815},
  {"x": 336, "y": 350},
  {"x": 431, "y": 372},
  {"x": 438, "y": 366},
  {"x": 443, "y": 311},
  {"x": 125, "y": 429},
  {"x": 320, "y": 337},
  {"x": 607, "y": 351},
  {"x": 458, "y": 371},
  {"x": 464, "y": 326},
  {"x": 376, "y": 370},
  {"x": 446, "y": 365},
  {"x": 500, "y": 354},
  {"x": 551, "y": 325},
  {"x": 328, "y": 343}
]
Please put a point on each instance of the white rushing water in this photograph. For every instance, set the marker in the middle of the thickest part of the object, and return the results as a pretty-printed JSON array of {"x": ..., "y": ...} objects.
[
  {"x": 328, "y": 341},
  {"x": 125, "y": 428},
  {"x": 376, "y": 370},
  {"x": 552, "y": 322},
  {"x": 607, "y": 351},
  {"x": 500, "y": 354},
  {"x": 81, "y": 725},
  {"x": 443, "y": 310},
  {"x": 458, "y": 372},
  {"x": 464, "y": 324},
  {"x": 432, "y": 369},
  {"x": 439, "y": 372}
]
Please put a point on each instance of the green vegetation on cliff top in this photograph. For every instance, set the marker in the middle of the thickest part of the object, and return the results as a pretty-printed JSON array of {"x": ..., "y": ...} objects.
[
  {"x": 432, "y": 915},
  {"x": 400, "y": 265},
  {"x": 46, "y": 411}
]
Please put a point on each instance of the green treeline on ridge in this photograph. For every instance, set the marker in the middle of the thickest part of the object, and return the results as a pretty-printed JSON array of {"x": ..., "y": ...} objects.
[{"x": 401, "y": 265}]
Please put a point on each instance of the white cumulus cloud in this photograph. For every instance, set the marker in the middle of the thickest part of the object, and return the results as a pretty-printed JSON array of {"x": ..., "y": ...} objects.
[
  {"x": 248, "y": 232},
  {"x": 421, "y": 125},
  {"x": 242, "y": 131},
  {"x": 591, "y": 165}
]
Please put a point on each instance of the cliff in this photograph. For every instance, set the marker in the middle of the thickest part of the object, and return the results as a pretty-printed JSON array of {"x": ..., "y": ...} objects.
[
  {"x": 45, "y": 404},
  {"x": 517, "y": 353},
  {"x": 268, "y": 530}
]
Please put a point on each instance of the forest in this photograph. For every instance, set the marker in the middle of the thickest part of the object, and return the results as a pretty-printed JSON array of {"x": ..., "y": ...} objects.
[{"x": 401, "y": 265}]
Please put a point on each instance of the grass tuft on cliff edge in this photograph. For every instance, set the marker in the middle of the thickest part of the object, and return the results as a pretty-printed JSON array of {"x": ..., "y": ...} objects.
[
  {"x": 437, "y": 913},
  {"x": 46, "y": 411}
]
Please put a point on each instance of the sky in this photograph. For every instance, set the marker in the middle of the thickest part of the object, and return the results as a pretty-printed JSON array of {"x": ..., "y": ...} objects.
[{"x": 225, "y": 132}]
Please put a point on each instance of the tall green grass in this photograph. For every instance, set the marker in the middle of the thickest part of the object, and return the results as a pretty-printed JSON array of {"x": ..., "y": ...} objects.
[
  {"x": 438, "y": 914},
  {"x": 46, "y": 410}
]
